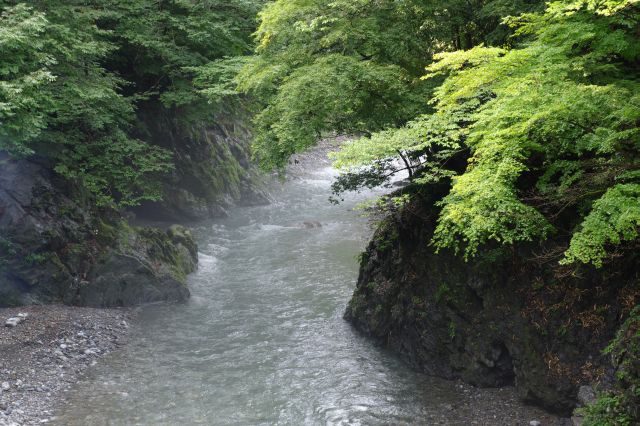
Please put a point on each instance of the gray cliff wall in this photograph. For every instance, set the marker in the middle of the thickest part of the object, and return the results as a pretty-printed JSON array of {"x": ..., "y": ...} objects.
[{"x": 55, "y": 246}]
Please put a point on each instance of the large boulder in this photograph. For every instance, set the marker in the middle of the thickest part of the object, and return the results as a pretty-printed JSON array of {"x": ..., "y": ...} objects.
[{"x": 56, "y": 247}]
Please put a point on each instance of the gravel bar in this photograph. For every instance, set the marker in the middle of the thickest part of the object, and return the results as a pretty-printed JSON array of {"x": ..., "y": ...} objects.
[{"x": 44, "y": 354}]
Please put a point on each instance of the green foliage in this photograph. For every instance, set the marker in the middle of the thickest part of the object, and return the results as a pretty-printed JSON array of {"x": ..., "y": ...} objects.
[
  {"x": 452, "y": 330},
  {"x": 608, "y": 410},
  {"x": 417, "y": 301},
  {"x": 581, "y": 104},
  {"x": 336, "y": 92},
  {"x": 6, "y": 246},
  {"x": 163, "y": 45},
  {"x": 362, "y": 257},
  {"x": 216, "y": 81},
  {"x": 116, "y": 168},
  {"x": 386, "y": 237},
  {"x": 57, "y": 100},
  {"x": 614, "y": 218},
  {"x": 35, "y": 258},
  {"x": 73, "y": 74},
  {"x": 442, "y": 292},
  {"x": 7, "y": 250},
  {"x": 24, "y": 70},
  {"x": 526, "y": 113},
  {"x": 550, "y": 124},
  {"x": 349, "y": 67}
]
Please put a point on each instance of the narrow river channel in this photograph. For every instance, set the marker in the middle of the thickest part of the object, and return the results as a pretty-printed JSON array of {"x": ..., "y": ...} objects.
[{"x": 262, "y": 340}]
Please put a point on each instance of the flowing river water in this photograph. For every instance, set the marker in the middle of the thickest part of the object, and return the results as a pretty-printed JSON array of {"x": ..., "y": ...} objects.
[{"x": 262, "y": 340}]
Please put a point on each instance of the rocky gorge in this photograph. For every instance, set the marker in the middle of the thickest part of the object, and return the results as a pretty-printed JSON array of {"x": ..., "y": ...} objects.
[
  {"x": 498, "y": 284},
  {"x": 504, "y": 321}
]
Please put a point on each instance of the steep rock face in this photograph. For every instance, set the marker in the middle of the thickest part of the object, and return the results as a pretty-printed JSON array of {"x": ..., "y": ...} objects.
[
  {"x": 509, "y": 316},
  {"x": 54, "y": 248},
  {"x": 213, "y": 170}
]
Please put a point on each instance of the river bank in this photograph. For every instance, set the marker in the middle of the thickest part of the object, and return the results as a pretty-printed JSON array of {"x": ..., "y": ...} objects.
[{"x": 44, "y": 356}]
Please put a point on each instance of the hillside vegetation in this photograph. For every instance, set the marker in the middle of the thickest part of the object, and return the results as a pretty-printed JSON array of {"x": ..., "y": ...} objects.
[
  {"x": 516, "y": 122},
  {"x": 78, "y": 77},
  {"x": 530, "y": 111}
]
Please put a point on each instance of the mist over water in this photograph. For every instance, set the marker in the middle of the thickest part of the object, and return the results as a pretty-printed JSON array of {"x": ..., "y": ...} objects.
[{"x": 262, "y": 340}]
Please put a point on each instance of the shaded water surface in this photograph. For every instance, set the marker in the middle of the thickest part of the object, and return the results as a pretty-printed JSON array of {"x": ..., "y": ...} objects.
[{"x": 262, "y": 340}]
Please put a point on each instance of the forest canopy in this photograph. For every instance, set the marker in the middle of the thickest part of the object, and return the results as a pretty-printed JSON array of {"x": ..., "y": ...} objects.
[
  {"x": 354, "y": 67},
  {"x": 76, "y": 76},
  {"x": 531, "y": 112},
  {"x": 528, "y": 112}
]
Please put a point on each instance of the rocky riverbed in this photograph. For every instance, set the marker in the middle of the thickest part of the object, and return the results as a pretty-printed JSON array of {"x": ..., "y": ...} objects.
[
  {"x": 490, "y": 407},
  {"x": 44, "y": 355}
]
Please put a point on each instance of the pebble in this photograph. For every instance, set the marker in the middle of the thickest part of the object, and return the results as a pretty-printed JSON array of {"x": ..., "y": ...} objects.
[
  {"x": 534, "y": 423},
  {"x": 5, "y": 386},
  {"x": 12, "y": 322}
]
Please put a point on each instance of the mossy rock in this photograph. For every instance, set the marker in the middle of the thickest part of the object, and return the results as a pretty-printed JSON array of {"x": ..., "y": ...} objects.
[
  {"x": 213, "y": 170},
  {"x": 620, "y": 405},
  {"x": 57, "y": 247}
]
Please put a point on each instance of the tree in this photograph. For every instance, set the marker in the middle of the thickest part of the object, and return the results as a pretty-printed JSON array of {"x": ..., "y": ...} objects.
[
  {"x": 78, "y": 79},
  {"x": 354, "y": 67},
  {"x": 60, "y": 103},
  {"x": 162, "y": 46},
  {"x": 551, "y": 127}
]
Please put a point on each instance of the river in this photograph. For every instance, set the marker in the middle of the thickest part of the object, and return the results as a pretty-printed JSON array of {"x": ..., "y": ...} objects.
[{"x": 262, "y": 340}]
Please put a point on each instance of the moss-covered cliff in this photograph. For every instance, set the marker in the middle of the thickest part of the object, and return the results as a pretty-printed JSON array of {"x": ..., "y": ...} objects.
[
  {"x": 55, "y": 246},
  {"x": 511, "y": 316},
  {"x": 213, "y": 170}
]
